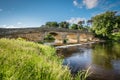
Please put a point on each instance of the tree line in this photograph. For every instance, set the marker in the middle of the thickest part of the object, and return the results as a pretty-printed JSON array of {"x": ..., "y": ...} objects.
[
  {"x": 105, "y": 25},
  {"x": 79, "y": 26}
]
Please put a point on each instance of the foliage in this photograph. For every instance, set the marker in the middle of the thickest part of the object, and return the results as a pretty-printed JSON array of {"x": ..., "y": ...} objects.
[
  {"x": 40, "y": 42},
  {"x": 87, "y": 28},
  {"x": 51, "y": 24},
  {"x": 117, "y": 20},
  {"x": 19, "y": 38},
  {"x": 83, "y": 74},
  {"x": 80, "y": 23},
  {"x": 79, "y": 26},
  {"x": 64, "y": 24},
  {"x": 104, "y": 24},
  {"x": 22, "y": 60},
  {"x": 65, "y": 41},
  {"x": 49, "y": 38},
  {"x": 115, "y": 36},
  {"x": 89, "y": 22},
  {"x": 74, "y": 26}
]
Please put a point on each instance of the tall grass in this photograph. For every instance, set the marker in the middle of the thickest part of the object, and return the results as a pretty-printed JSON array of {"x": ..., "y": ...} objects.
[{"x": 23, "y": 60}]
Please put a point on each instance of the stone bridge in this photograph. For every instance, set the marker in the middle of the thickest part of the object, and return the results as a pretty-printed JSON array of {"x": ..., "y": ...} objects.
[{"x": 38, "y": 34}]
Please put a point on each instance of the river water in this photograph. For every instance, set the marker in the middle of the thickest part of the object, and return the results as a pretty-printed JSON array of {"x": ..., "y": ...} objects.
[{"x": 102, "y": 58}]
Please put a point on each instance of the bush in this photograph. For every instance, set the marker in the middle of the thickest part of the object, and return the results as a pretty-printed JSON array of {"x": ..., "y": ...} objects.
[
  {"x": 65, "y": 41},
  {"x": 49, "y": 38},
  {"x": 22, "y": 60}
]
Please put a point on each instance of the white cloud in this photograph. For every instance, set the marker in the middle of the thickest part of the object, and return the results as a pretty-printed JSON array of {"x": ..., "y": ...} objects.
[
  {"x": 75, "y": 2},
  {"x": 75, "y": 20},
  {"x": 7, "y": 26},
  {"x": 1, "y": 10},
  {"x": 79, "y": 5},
  {"x": 90, "y": 3},
  {"x": 10, "y": 26},
  {"x": 19, "y": 23},
  {"x": 4, "y": 25}
]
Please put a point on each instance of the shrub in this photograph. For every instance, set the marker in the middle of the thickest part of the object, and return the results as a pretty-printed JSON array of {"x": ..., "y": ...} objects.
[
  {"x": 49, "y": 38},
  {"x": 65, "y": 41}
]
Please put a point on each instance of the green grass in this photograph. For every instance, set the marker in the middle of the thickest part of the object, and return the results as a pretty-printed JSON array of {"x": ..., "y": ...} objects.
[{"x": 23, "y": 60}]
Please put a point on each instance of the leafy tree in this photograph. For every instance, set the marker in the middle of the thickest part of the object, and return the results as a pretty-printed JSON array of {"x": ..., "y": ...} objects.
[
  {"x": 51, "y": 24},
  {"x": 104, "y": 23},
  {"x": 80, "y": 24},
  {"x": 117, "y": 25},
  {"x": 89, "y": 22},
  {"x": 64, "y": 24},
  {"x": 74, "y": 26},
  {"x": 87, "y": 28}
]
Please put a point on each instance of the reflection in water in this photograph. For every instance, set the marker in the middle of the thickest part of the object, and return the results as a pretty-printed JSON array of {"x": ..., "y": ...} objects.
[
  {"x": 104, "y": 59},
  {"x": 116, "y": 66},
  {"x": 103, "y": 54},
  {"x": 78, "y": 61}
]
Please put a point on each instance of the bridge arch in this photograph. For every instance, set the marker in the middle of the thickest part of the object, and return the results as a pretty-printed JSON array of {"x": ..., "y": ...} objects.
[{"x": 53, "y": 33}]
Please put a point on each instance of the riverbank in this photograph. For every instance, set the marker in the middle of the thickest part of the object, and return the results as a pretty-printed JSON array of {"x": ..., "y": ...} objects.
[{"x": 24, "y": 60}]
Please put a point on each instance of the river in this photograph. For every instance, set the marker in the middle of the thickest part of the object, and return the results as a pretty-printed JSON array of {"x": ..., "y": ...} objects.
[{"x": 102, "y": 58}]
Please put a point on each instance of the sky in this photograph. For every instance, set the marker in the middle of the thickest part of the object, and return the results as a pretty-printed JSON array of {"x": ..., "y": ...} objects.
[{"x": 34, "y": 13}]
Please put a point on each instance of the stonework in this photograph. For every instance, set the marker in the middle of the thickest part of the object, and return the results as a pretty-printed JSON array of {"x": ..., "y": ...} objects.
[{"x": 37, "y": 35}]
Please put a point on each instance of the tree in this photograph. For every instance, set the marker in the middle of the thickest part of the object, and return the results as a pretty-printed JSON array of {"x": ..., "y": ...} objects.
[
  {"x": 104, "y": 23},
  {"x": 86, "y": 28},
  {"x": 117, "y": 25},
  {"x": 64, "y": 24},
  {"x": 51, "y": 24},
  {"x": 74, "y": 26},
  {"x": 89, "y": 22},
  {"x": 80, "y": 24}
]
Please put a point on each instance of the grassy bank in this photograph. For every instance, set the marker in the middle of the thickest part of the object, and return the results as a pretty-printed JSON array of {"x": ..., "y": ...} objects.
[{"x": 22, "y": 60}]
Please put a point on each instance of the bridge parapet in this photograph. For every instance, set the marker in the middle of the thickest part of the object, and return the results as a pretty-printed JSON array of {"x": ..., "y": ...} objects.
[{"x": 38, "y": 34}]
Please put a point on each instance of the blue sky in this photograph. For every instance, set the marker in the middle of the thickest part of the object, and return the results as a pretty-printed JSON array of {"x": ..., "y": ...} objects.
[{"x": 33, "y": 13}]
